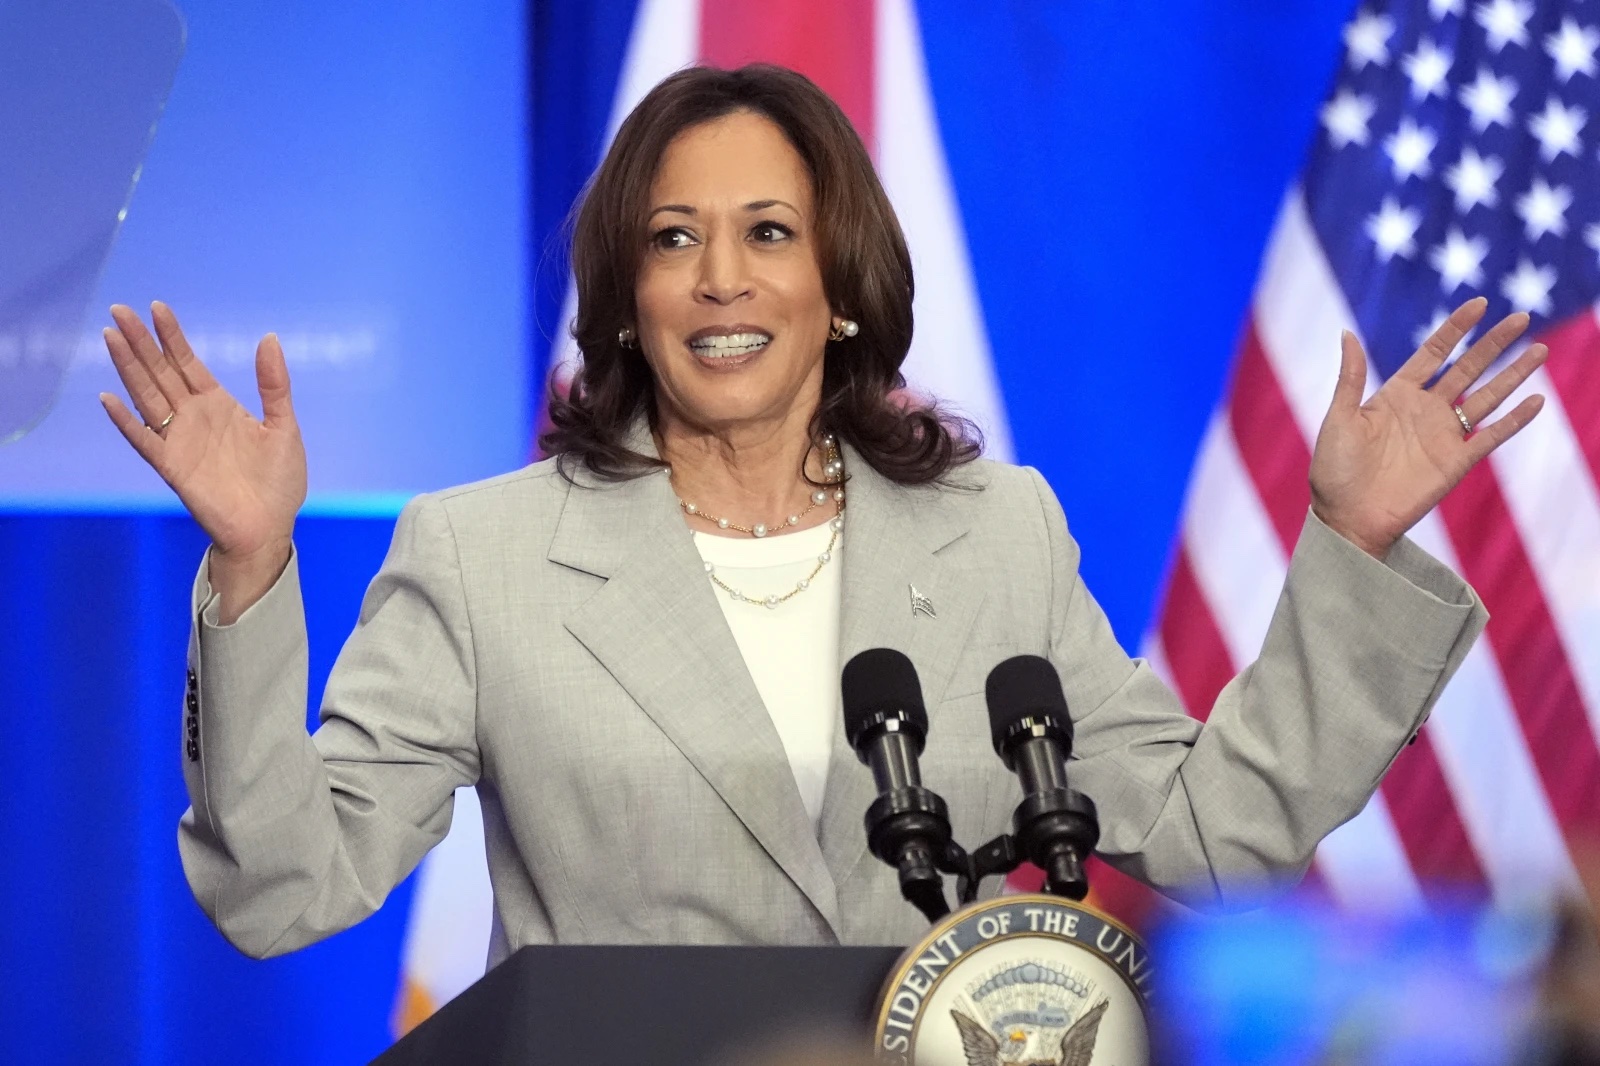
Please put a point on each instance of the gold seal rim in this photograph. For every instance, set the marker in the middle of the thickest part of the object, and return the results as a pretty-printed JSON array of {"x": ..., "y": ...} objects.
[{"x": 909, "y": 957}]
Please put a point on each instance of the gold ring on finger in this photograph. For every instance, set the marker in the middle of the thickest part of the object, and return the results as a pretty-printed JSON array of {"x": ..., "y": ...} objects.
[
  {"x": 161, "y": 430},
  {"x": 1461, "y": 416}
]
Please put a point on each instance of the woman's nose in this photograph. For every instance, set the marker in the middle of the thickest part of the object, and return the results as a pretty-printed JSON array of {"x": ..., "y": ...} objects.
[{"x": 724, "y": 274}]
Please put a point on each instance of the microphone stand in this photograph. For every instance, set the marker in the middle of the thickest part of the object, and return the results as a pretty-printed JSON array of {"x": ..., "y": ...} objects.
[
  {"x": 1058, "y": 843},
  {"x": 1057, "y": 830}
]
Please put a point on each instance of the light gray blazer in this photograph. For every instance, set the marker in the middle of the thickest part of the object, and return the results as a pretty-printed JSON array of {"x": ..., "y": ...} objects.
[{"x": 560, "y": 648}]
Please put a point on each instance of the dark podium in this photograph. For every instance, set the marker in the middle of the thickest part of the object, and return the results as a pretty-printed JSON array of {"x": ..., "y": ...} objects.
[{"x": 666, "y": 1006}]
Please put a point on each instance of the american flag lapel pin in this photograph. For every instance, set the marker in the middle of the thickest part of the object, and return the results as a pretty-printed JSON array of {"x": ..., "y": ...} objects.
[{"x": 920, "y": 604}]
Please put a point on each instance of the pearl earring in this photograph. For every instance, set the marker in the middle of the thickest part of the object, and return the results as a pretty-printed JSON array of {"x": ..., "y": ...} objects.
[
  {"x": 842, "y": 329},
  {"x": 625, "y": 337}
]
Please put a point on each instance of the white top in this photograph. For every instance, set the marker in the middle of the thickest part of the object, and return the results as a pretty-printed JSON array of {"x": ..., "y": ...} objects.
[{"x": 791, "y": 650}]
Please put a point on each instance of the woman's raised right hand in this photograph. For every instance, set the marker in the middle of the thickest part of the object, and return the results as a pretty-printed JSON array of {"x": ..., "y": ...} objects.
[{"x": 242, "y": 479}]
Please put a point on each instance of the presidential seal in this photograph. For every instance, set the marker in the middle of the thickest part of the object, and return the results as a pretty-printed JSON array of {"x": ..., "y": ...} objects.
[{"x": 1019, "y": 981}]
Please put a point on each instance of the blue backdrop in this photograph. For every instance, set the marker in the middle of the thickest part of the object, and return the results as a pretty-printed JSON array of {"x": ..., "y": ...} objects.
[{"x": 1118, "y": 170}]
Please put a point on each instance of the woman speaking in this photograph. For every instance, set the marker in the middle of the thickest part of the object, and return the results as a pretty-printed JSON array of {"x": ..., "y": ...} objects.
[{"x": 632, "y": 649}]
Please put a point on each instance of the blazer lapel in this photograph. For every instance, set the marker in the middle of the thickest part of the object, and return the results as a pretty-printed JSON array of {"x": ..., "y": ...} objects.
[
  {"x": 893, "y": 535},
  {"x": 656, "y": 626}
]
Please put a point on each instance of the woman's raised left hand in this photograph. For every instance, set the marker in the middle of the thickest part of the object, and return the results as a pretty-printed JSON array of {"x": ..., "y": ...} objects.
[{"x": 1380, "y": 466}]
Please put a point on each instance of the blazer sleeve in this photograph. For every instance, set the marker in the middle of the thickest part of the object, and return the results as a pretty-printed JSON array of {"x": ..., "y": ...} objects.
[
  {"x": 291, "y": 838},
  {"x": 1356, "y": 654}
]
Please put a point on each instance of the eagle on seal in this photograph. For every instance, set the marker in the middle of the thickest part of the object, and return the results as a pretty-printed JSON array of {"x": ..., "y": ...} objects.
[{"x": 982, "y": 1047}]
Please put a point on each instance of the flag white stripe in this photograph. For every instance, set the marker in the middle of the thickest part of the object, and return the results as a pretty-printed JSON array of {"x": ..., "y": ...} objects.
[
  {"x": 452, "y": 909},
  {"x": 665, "y": 38},
  {"x": 950, "y": 357},
  {"x": 1545, "y": 481},
  {"x": 1300, "y": 312},
  {"x": 1237, "y": 560},
  {"x": 1365, "y": 865}
]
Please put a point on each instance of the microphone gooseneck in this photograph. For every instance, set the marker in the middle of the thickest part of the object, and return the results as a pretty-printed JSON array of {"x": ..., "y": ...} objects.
[
  {"x": 1056, "y": 828},
  {"x": 908, "y": 826}
]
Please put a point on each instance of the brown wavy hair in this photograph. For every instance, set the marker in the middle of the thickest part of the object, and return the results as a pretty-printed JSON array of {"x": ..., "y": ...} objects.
[{"x": 866, "y": 274}]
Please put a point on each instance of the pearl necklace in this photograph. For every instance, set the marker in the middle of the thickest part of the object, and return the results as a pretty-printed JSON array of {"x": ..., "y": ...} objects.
[{"x": 833, "y": 469}]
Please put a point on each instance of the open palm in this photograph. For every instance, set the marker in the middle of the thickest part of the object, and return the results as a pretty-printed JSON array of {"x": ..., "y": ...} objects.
[
  {"x": 1381, "y": 465},
  {"x": 241, "y": 478}
]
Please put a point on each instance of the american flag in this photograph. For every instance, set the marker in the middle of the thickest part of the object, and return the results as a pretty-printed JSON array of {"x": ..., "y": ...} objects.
[{"x": 1455, "y": 157}]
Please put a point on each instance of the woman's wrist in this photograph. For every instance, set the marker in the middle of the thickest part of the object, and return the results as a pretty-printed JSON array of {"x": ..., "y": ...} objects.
[
  {"x": 240, "y": 579},
  {"x": 1376, "y": 547}
]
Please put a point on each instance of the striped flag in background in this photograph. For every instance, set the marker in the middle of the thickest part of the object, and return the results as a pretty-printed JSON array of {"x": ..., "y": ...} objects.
[
  {"x": 867, "y": 54},
  {"x": 1455, "y": 157}
]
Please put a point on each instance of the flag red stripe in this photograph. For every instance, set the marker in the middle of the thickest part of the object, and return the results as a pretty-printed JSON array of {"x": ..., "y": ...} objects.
[
  {"x": 1272, "y": 448},
  {"x": 1423, "y": 810},
  {"x": 829, "y": 41},
  {"x": 1192, "y": 642},
  {"x": 1523, "y": 635},
  {"x": 1270, "y": 443},
  {"x": 1574, "y": 359},
  {"x": 1124, "y": 897}
]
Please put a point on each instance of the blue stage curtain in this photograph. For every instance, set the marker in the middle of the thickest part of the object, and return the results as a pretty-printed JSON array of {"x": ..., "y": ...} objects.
[{"x": 106, "y": 956}]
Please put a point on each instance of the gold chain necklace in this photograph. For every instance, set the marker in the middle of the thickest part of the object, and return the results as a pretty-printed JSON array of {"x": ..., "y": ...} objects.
[{"x": 772, "y": 601}]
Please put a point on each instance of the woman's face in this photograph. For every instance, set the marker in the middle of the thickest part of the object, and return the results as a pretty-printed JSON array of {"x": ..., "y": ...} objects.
[{"x": 732, "y": 315}]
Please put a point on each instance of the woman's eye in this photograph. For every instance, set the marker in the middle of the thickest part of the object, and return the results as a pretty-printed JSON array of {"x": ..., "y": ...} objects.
[
  {"x": 768, "y": 232},
  {"x": 672, "y": 238}
]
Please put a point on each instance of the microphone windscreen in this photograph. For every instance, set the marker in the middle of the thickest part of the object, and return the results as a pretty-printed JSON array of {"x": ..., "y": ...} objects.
[
  {"x": 1024, "y": 686},
  {"x": 880, "y": 681}
]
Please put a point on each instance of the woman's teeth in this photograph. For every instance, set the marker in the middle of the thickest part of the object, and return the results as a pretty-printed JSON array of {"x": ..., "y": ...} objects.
[{"x": 729, "y": 346}]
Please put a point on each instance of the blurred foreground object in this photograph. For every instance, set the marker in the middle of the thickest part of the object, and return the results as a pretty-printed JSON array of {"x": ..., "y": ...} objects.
[
  {"x": 83, "y": 85},
  {"x": 1567, "y": 1032},
  {"x": 1460, "y": 986}
]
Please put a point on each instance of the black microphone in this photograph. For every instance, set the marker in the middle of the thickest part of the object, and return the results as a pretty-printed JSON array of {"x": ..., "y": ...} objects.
[
  {"x": 908, "y": 826},
  {"x": 1056, "y": 828}
]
